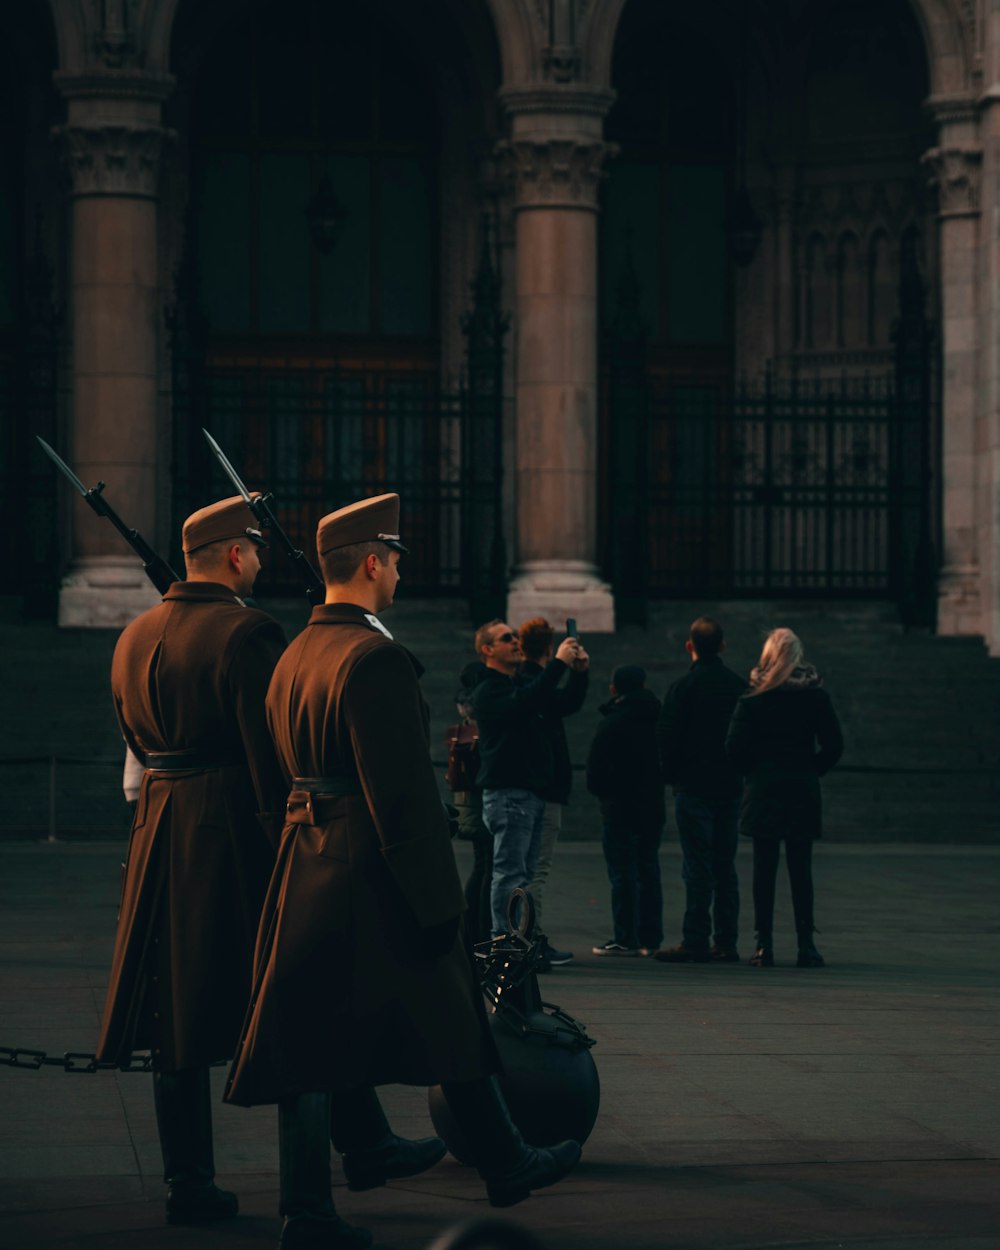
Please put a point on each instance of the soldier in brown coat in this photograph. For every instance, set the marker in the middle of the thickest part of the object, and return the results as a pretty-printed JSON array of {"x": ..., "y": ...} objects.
[
  {"x": 189, "y": 679},
  {"x": 361, "y": 975}
]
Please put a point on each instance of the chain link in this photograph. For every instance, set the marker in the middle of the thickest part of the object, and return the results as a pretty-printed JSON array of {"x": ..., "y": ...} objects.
[{"x": 78, "y": 1061}]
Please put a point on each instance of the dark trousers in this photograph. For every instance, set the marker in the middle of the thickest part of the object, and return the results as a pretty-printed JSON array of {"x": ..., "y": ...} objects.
[
  {"x": 798, "y": 859},
  {"x": 183, "y": 1102},
  {"x": 709, "y": 831},
  {"x": 631, "y": 852},
  {"x": 478, "y": 914}
]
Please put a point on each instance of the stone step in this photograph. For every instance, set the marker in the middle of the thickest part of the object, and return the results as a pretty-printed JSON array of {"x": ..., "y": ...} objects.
[{"x": 921, "y": 714}]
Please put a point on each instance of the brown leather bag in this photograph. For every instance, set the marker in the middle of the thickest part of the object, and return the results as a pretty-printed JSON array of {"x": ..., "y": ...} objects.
[{"x": 462, "y": 742}]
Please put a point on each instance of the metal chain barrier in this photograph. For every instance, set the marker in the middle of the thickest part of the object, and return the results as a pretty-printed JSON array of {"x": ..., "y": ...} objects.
[{"x": 78, "y": 1061}]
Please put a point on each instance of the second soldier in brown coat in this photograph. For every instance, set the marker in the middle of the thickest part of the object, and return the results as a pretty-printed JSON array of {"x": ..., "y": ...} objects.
[{"x": 362, "y": 976}]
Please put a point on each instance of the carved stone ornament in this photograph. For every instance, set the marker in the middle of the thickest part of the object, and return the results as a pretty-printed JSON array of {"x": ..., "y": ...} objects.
[
  {"x": 112, "y": 158},
  {"x": 955, "y": 174},
  {"x": 555, "y": 173}
]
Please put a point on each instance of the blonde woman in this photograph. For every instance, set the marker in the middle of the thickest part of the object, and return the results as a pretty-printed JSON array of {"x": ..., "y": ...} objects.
[{"x": 784, "y": 735}]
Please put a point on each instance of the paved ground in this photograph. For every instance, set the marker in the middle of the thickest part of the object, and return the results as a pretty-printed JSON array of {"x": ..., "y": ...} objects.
[{"x": 852, "y": 1107}]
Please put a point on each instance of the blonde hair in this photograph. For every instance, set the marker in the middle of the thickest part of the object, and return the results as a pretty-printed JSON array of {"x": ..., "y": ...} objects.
[{"x": 782, "y": 654}]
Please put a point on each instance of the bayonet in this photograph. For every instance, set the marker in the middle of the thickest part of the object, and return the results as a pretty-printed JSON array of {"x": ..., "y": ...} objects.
[
  {"x": 154, "y": 566},
  {"x": 260, "y": 506}
]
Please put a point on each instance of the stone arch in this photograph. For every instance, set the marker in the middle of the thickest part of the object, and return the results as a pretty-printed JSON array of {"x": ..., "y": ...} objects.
[
  {"x": 949, "y": 35},
  {"x": 520, "y": 35},
  {"x": 947, "y": 28},
  {"x": 70, "y": 24},
  {"x": 597, "y": 39}
]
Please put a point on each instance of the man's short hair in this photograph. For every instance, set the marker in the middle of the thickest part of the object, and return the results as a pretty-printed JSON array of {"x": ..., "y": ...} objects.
[
  {"x": 342, "y": 563},
  {"x": 212, "y": 554},
  {"x": 536, "y": 637},
  {"x": 483, "y": 634},
  {"x": 706, "y": 637}
]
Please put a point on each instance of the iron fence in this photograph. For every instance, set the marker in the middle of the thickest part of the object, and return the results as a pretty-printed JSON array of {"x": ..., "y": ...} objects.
[{"x": 787, "y": 490}]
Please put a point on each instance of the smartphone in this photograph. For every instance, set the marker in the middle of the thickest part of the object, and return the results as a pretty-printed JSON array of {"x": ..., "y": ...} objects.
[{"x": 571, "y": 628}]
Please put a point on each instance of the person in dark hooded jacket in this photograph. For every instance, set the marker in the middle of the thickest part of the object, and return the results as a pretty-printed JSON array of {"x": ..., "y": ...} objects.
[{"x": 623, "y": 771}]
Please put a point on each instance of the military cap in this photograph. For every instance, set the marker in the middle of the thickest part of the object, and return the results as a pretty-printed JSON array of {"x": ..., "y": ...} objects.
[
  {"x": 229, "y": 518},
  {"x": 367, "y": 521}
]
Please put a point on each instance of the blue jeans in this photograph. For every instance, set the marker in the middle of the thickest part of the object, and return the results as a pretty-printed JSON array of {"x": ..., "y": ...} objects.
[
  {"x": 708, "y": 831},
  {"x": 514, "y": 818},
  {"x": 631, "y": 852}
]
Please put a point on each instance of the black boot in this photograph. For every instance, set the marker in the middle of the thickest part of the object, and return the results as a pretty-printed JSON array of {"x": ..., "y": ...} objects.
[
  {"x": 184, "y": 1120},
  {"x": 371, "y": 1153},
  {"x": 509, "y": 1166},
  {"x": 306, "y": 1199},
  {"x": 809, "y": 956},
  {"x": 763, "y": 956}
]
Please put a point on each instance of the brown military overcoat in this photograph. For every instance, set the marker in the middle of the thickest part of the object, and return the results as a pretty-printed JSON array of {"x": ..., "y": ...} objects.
[
  {"x": 347, "y": 991},
  {"x": 192, "y": 673}
]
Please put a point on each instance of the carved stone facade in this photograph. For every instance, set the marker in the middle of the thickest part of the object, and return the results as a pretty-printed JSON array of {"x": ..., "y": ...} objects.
[
  {"x": 955, "y": 174},
  {"x": 837, "y": 208},
  {"x": 555, "y": 172}
]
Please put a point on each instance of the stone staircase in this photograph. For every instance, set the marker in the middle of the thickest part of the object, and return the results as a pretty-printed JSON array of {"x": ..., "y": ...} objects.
[{"x": 921, "y": 714}]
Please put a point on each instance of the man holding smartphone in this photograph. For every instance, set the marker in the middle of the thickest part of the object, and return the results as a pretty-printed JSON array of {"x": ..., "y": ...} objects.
[
  {"x": 537, "y": 639},
  {"x": 516, "y": 753}
]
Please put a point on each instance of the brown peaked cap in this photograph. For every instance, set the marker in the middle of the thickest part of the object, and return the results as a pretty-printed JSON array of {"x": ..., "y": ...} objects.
[
  {"x": 367, "y": 521},
  {"x": 229, "y": 518}
]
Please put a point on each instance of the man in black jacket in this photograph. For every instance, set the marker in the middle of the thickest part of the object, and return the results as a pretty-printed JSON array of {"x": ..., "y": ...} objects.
[
  {"x": 537, "y": 637},
  {"x": 623, "y": 771},
  {"x": 515, "y": 754},
  {"x": 691, "y": 733}
]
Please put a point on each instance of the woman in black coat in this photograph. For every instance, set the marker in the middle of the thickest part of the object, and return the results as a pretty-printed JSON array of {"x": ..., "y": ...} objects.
[{"x": 784, "y": 735}]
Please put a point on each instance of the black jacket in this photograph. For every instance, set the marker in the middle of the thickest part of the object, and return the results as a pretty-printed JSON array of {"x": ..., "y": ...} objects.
[
  {"x": 569, "y": 699},
  {"x": 691, "y": 731},
  {"x": 623, "y": 765},
  {"x": 773, "y": 740},
  {"x": 514, "y": 746}
]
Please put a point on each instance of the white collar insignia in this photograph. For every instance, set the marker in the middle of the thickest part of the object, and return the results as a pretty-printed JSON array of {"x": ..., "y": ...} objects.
[{"x": 375, "y": 623}]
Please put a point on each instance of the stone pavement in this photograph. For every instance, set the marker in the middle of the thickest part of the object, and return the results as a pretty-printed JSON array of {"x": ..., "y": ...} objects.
[{"x": 853, "y": 1107}]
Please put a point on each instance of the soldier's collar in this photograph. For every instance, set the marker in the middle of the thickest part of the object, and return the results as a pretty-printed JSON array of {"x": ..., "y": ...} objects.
[
  {"x": 202, "y": 592},
  {"x": 346, "y": 614}
]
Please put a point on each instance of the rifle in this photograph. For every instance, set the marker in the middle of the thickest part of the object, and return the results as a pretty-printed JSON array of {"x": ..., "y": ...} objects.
[
  {"x": 260, "y": 506},
  {"x": 155, "y": 567}
]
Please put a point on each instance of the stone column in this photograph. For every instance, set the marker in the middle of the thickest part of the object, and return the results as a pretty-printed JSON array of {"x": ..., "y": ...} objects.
[
  {"x": 989, "y": 460},
  {"x": 112, "y": 142},
  {"x": 554, "y": 157},
  {"x": 954, "y": 166}
]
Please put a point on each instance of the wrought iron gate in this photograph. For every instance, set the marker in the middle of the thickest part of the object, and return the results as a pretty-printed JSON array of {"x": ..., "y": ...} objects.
[
  {"x": 320, "y": 434},
  {"x": 784, "y": 490}
]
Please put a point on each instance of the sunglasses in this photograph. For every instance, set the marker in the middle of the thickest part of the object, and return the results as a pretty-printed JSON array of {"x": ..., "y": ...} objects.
[{"x": 508, "y": 637}]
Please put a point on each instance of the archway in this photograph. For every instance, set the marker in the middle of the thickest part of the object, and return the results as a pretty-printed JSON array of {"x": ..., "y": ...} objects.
[
  {"x": 753, "y": 245},
  {"x": 331, "y": 227}
]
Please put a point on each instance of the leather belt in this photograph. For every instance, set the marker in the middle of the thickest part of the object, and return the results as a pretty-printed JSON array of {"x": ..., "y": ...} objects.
[
  {"x": 192, "y": 760},
  {"x": 328, "y": 785}
]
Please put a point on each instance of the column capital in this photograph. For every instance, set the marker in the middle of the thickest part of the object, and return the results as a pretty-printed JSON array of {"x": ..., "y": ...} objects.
[
  {"x": 112, "y": 86},
  {"x": 547, "y": 99},
  {"x": 955, "y": 172},
  {"x": 557, "y": 172},
  {"x": 113, "y": 158},
  {"x": 952, "y": 110}
]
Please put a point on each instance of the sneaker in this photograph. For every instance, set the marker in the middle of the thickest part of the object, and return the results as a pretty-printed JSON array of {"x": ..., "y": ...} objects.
[
  {"x": 724, "y": 955},
  {"x": 615, "y": 948},
  {"x": 557, "y": 958},
  {"x": 646, "y": 951},
  {"x": 682, "y": 955}
]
